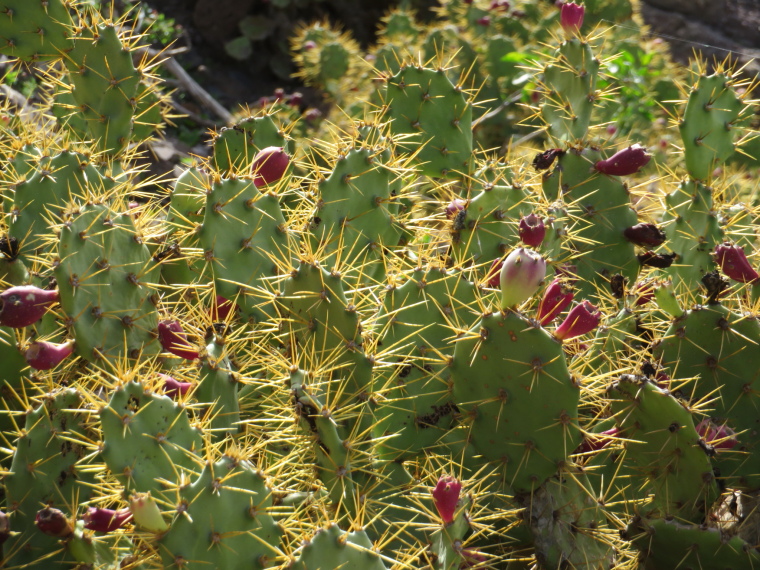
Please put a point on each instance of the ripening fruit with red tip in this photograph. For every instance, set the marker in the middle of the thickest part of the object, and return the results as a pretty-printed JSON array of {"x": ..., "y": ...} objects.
[
  {"x": 173, "y": 339},
  {"x": 734, "y": 264},
  {"x": 624, "y": 162},
  {"x": 269, "y": 165},
  {"x": 43, "y": 355},
  {"x": 24, "y": 305},
  {"x": 446, "y": 497},
  {"x": 532, "y": 230},
  {"x": 584, "y": 318},
  {"x": 454, "y": 207},
  {"x": 597, "y": 441},
  {"x": 521, "y": 275},
  {"x": 105, "y": 520},
  {"x": 718, "y": 436}
]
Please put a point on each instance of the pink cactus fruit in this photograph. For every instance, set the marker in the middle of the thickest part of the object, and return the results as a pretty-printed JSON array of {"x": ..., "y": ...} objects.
[
  {"x": 174, "y": 388},
  {"x": 583, "y": 318},
  {"x": 624, "y": 162},
  {"x": 571, "y": 17},
  {"x": 718, "y": 436},
  {"x": 446, "y": 497},
  {"x": 24, "y": 305},
  {"x": 53, "y": 523},
  {"x": 734, "y": 264},
  {"x": 105, "y": 520},
  {"x": 173, "y": 339},
  {"x": 269, "y": 165},
  {"x": 43, "y": 355},
  {"x": 521, "y": 275},
  {"x": 557, "y": 298},
  {"x": 532, "y": 230}
]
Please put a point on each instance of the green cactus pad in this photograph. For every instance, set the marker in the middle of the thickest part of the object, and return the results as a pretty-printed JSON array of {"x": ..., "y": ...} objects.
[
  {"x": 243, "y": 234},
  {"x": 147, "y": 438},
  {"x": 512, "y": 386},
  {"x": 664, "y": 445},
  {"x": 722, "y": 349},
  {"x": 35, "y": 30},
  {"x": 223, "y": 520},
  {"x": 331, "y": 548},
  {"x": 706, "y": 125},
  {"x": 430, "y": 116},
  {"x": 106, "y": 279}
]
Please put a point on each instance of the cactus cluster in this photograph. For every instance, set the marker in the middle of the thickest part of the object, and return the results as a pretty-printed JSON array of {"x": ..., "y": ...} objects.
[{"x": 372, "y": 343}]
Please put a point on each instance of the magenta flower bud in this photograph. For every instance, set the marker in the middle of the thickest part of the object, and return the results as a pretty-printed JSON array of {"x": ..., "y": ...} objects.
[
  {"x": 269, "y": 165},
  {"x": 309, "y": 45},
  {"x": 499, "y": 6},
  {"x": 571, "y": 17},
  {"x": 624, "y": 162},
  {"x": 484, "y": 21},
  {"x": 719, "y": 437},
  {"x": 45, "y": 355},
  {"x": 532, "y": 230},
  {"x": 645, "y": 235},
  {"x": 24, "y": 305},
  {"x": 53, "y": 523},
  {"x": 521, "y": 275},
  {"x": 454, "y": 207},
  {"x": 644, "y": 291},
  {"x": 734, "y": 264},
  {"x": 222, "y": 308},
  {"x": 556, "y": 299},
  {"x": 105, "y": 520},
  {"x": 173, "y": 339},
  {"x": 174, "y": 388},
  {"x": 597, "y": 441},
  {"x": 583, "y": 318},
  {"x": 446, "y": 497}
]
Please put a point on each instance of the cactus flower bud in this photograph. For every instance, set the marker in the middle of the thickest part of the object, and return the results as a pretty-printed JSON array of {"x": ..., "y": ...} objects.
[
  {"x": 24, "y": 305},
  {"x": 734, "y": 264},
  {"x": 269, "y": 165},
  {"x": 454, "y": 207},
  {"x": 173, "y": 339},
  {"x": 532, "y": 230},
  {"x": 521, "y": 275},
  {"x": 719, "y": 437},
  {"x": 583, "y": 318},
  {"x": 624, "y": 162},
  {"x": 43, "y": 355},
  {"x": 146, "y": 513},
  {"x": 556, "y": 299},
  {"x": 446, "y": 497},
  {"x": 53, "y": 523},
  {"x": 571, "y": 17},
  {"x": 174, "y": 388},
  {"x": 645, "y": 235},
  {"x": 105, "y": 520}
]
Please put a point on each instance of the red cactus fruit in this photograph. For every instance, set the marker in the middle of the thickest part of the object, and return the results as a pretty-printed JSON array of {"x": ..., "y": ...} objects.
[
  {"x": 222, "y": 308},
  {"x": 24, "y": 305},
  {"x": 556, "y": 299},
  {"x": 53, "y": 523},
  {"x": 597, "y": 441},
  {"x": 174, "y": 388},
  {"x": 571, "y": 17},
  {"x": 105, "y": 520},
  {"x": 645, "y": 235},
  {"x": 173, "y": 339},
  {"x": 43, "y": 355},
  {"x": 583, "y": 318},
  {"x": 532, "y": 230},
  {"x": 269, "y": 165},
  {"x": 624, "y": 162},
  {"x": 446, "y": 497},
  {"x": 734, "y": 264}
]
